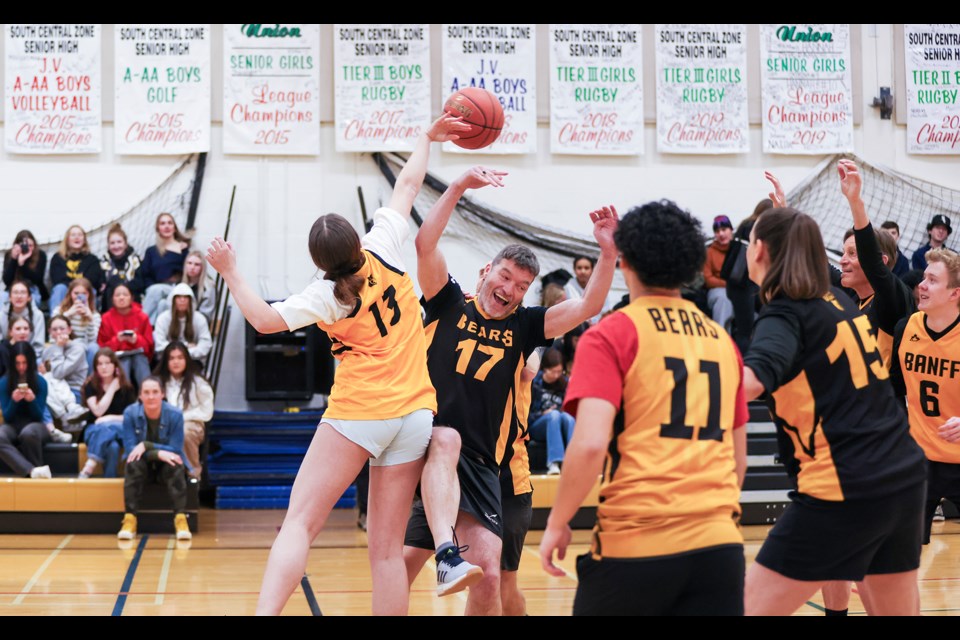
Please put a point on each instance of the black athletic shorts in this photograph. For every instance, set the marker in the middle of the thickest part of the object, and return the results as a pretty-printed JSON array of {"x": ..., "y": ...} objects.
[
  {"x": 517, "y": 515},
  {"x": 823, "y": 540},
  {"x": 705, "y": 582},
  {"x": 479, "y": 496},
  {"x": 943, "y": 481}
]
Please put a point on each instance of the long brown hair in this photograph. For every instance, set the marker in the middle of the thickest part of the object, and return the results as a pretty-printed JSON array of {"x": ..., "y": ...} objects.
[
  {"x": 798, "y": 259},
  {"x": 335, "y": 249},
  {"x": 173, "y": 333},
  {"x": 178, "y": 235},
  {"x": 68, "y": 299},
  {"x": 94, "y": 378},
  {"x": 35, "y": 257}
]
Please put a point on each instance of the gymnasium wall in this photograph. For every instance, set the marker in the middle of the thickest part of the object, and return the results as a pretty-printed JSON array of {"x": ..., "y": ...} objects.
[{"x": 278, "y": 198}]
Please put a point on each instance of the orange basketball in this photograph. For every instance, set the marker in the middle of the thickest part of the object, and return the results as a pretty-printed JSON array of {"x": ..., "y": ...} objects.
[{"x": 482, "y": 111}]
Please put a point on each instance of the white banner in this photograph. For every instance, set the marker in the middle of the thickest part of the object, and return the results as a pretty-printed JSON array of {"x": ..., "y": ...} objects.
[
  {"x": 271, "y": 93},
  {"x": 501, "y": 58},
  {"x": 596, "y": 89},
  {"x": 162, "y": 81},
  {"x": 52, "y": 88},
  {"x": 381, "y": 85},
  {"x": 702, "y": 88},
  {"x": 932, "y": 57},
  {"x": 807, "y": 88}
]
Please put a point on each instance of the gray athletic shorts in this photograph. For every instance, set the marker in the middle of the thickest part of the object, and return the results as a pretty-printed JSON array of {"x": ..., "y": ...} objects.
[{"x": 390, "y": 442}]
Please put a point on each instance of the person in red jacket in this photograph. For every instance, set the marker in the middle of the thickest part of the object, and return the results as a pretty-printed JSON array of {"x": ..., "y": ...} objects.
[{"x": 126, "y": 329}]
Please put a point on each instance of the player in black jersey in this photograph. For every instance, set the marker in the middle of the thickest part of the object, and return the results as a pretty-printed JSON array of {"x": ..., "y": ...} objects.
[
  {"x": 474, "y": 351},
  {"x": 859, "y": 477}
]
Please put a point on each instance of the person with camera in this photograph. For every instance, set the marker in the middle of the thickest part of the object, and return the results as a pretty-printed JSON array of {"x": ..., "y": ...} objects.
[
  {"x": 79, "y": 307},
  {"x": 127, "y": 331},
  {"x": 26, "y": 262}
]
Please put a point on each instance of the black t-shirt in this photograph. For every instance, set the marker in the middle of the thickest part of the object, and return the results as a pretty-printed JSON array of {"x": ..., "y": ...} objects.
[
  {"x": 122, "y": 399},
  {"x": 473, "y": 362}
]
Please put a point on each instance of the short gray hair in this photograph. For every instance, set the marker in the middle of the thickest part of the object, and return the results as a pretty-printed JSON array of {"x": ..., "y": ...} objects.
[{"x": 521, "y": 256}]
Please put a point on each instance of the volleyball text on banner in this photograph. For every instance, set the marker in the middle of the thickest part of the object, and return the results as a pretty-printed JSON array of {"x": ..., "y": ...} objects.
[
  {"x": 807, "y": 88},
  {"x": 596, "y": 89},
  {"x": 381, "y": 78},
  {"x": 271, "y": 93},
  {"x": 932, "y": 57},
  {"x": 501, "y": 58},
  {"x": 701, "y": 88},
  {"x": 162, "y": 88},
  {"x": 52, "y": 88}
]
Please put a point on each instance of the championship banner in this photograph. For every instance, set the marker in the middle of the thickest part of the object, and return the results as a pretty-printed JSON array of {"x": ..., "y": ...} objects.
[
  {"x": 501, "y": 58},
  {"x": 932, "y": 57},
  {"x": 807, "y": 88},
  {"x": 271, "y": 89},
  {"x": 702, "y": 88},
  {"x": 162, "y": 80},
  {"x": 52, "y": 88},
  {"x": 381, "y": 75},
  {"x": 596, "y": 89}
]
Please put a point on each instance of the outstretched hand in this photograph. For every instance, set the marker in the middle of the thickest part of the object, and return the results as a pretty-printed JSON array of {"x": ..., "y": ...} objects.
[
  {"x": 221, "y": 256},
  {"x": 778, "y": 197},
  {"x": 850, "y": 179},
  {"x": 447, "y": 127},
  {"x": 478, "y": 177},
  {"x": 605, "y": 223}
]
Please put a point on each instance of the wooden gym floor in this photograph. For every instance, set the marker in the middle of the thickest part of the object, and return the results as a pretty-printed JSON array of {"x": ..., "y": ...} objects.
[{"x": 219, "y": 573}]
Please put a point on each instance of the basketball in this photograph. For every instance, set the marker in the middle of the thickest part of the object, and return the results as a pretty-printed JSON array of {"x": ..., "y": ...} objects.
[{"x": 480, "y": 109}]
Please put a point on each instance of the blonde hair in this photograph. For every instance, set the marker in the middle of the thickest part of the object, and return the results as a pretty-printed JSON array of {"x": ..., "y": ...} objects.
[
  {"x": 64, "y": 251},
  {"x": 202, "y": 279},
  {"x": 68, "y": 299},
  {"x": 950, "y": 260}
]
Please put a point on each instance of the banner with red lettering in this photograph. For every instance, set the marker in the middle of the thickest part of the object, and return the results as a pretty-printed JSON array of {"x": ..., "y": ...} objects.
[
  {"x": 807, "y": 88},
  {"x": 52, "y": 88},
  {"x": 501, "y": 58},
  {"x": 702, "y": 88},
  {"x": 271, "y": 92},
  {"x": 381, "y": 78},
  {"x": 162, "y": 96},
  {"x": 932, "y": 58},
  {"x": 596, "y": 89}
]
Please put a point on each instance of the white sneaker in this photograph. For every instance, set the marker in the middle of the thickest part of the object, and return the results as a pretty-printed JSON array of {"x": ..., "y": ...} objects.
[
  {"x": 41, "y": 472},
  {"x": 554, "y": 469},
  {"x": 60, "y": 436},
  {"x": 455, "y": 574},
  {"x": 938, "y": 514}
]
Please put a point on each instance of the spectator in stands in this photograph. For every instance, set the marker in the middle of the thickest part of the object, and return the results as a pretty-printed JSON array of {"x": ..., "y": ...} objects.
[
  {"x": 182, "y": 323},
  {"x": 743, "y": 293},
  {"x": 553, "y": 294},
  {"x": 575, "y": 286},
  {"x": 73, "y": 260},
  {"x": 548, "y": 422},
  {"x": 127, "y": 331},
  {"x": 119, "y": 264},
  {"x": 23, "y": 398},
  {"x": 204, "y": 294},
  {"x": 162, "y": 266},
  {"x": 106, "y": 393},
  {"x": 153, "y": 438},
  {"x": 937, "y": 232},
  {"x": 721, "y": 309},
  {"x": 186, "y": 389},
  {"x": 568, "y": 345},
  {"x": 902, "y": 266},
  {"x": 26, "y": 262},
  {"x": 79, "y": 306},
  {"x": 21, "y": 305},
  {"x": 64, "y": 367}
]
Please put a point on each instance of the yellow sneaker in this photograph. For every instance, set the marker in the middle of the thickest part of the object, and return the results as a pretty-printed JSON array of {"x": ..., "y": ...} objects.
[
  {"x": 129, "y": 529},
  {"x": 183, "y": 529}
]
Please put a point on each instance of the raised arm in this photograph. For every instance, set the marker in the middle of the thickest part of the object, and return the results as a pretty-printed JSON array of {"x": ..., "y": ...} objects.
[
  {"x": 411, "y": 176},
  {"x": 778, "y": 197},
  {"x": 562, "y": 317},
  {"x": 264, "y": 318},
  {"x": 851, "y": 183},
  {"x": 431, "y": 265}
]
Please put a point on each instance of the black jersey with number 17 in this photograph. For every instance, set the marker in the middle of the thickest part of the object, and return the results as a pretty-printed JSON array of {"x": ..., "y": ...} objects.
[{"x": 473, "y": 361}]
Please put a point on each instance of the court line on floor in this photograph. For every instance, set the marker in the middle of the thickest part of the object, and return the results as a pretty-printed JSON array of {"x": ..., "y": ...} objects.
[
  {"x": 128, "y": 579},
  {"x": 311, "y": 598},
  {"x": 164, "y": 571},
  {"x": 39, "y": 572}
]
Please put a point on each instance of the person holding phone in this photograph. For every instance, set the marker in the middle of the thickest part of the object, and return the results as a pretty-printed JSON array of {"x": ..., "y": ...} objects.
[
  {"x": 79, "y": 307},
  {"x": 25, "y": 262},
  {"x": 23, "y": 397},
  {"x": 127, "y": 331}
]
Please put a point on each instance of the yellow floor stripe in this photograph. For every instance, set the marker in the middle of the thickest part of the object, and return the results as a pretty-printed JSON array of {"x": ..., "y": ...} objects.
[{"x": 36, "y": 576}]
